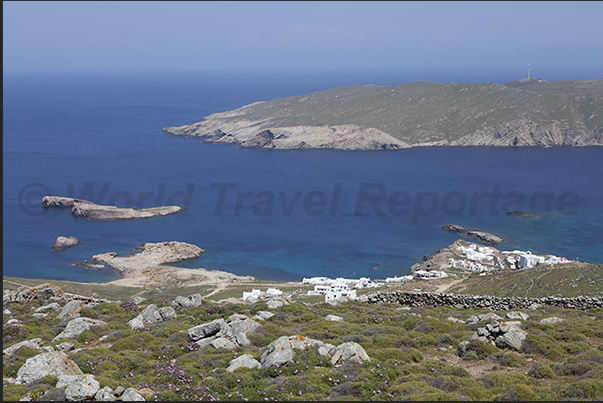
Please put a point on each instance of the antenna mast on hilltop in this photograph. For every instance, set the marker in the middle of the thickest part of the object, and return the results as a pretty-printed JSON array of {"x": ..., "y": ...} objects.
[{"x": 529, "y": 67}]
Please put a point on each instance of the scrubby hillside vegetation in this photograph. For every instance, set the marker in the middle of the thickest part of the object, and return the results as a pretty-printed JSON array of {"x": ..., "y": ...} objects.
[{"x": 412, "y": 353}]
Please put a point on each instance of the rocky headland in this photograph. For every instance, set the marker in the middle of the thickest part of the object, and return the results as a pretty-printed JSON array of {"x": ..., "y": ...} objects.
[
  {"x": 531, "y": 112},
  {"x": 95, "y": 212},
  {"x": 148, "y": 266}
]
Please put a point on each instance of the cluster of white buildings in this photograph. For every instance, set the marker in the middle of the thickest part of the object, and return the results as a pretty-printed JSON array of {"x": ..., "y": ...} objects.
[
  {"x": 362, "y": 282},
  {"x": 432, "y": 274},
  {"x": 257, "y": 294},
  {"x": 525, "y": 259},
  {"x": 397, "y": 279},
  {"x": 471, "y": 266},
  {"x": 339, "y": 288}
]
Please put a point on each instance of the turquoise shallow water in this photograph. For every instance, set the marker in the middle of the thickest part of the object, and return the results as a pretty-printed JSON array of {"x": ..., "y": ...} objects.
[{"x": 65, "y": 135}]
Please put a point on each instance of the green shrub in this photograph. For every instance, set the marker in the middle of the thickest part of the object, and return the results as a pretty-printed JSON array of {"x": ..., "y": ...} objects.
[
  {"x": 518, "y": 393},
  {"x": 89, "y": 313},
  {"x": 582, "y": 363},
  {"x": 12, "y": 392},
  {"x": 481, "y": 349},
  {"x": 544, "y": 346},
  {"x": 585, "y": 389},
  {"x": 395, "y": 354},
  {"x": 540, "y": 371},
  {"x": 50, "y": 380},
  {"x": 508, "y": 359}
]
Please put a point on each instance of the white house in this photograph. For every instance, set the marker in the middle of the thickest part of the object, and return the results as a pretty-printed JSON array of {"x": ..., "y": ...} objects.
[
  {"x": 530, "y": 260},
  {"x": 331, "y": 295},
  {"x": 430, "y": 274},
  {"x": 397, "y": 279},
  {"x": 273, "y": 292},
  {"x": 250, "y": 295}
]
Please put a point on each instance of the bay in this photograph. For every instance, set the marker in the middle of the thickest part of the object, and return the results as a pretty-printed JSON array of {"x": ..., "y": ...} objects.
[{"x": 69, "y": 134}]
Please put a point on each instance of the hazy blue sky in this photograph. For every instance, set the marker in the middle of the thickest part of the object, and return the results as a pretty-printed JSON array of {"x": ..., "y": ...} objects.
[{"x": 561, "y": 39}]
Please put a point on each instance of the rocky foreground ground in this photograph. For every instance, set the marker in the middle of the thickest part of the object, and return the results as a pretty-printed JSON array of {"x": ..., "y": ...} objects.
[{"x": 418, "y": 346}]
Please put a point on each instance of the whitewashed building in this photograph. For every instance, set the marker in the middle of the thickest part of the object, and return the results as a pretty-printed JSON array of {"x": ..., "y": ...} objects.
[{"x": 340, "y": 295}]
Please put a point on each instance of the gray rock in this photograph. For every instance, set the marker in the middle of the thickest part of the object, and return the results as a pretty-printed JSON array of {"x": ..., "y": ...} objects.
[
  {"x": 54, "y": 306},
  {"x": 54, "y": 395},
  {"x": 350, "y": 351},
  {"x": 78, "y": 387},
  {"x": 105, "y": 395},
  {"x": 46, "y": 349},
  {"x": 6, "y": 312},
  {"x": 191, "y": 300},
  {"x": 489, "y": 316},
  {"x": 334, "y": 318},
  {"x": 244, "y": 361},
  {"x": 551, "y": 320},
  {"x": 76, "y": 326},
  {"x": 517, "y": 315},
  {"x": 513, "y": 337},
  {"x": 472, "y": 319},
  {"x": 223, "y": 342},
  {"x": 238, "y": 327},
  {"x": 65, "y": 346},
  {"x": 453, "y": 319},
  {"x": 13, "y": 322},
  {"x": 33, "y": 343},
  {"x": 119, "y": 390},
  {"x": 152, "y": 314},
  {"x": 64, "y": 243},
  {"x": 263, "y": 315},
  {"x": 138, "y": 301},
  {"x": 461, "y": 349},
  {"x": 53, "y": 363},
  {"x": 132, "y": 395},
  {"x": 40, "y": 315},
  {"x": 276, "y": 303},
  {"x": 71, "y": 310},
  {"x": 279, "y": 352},
  {"x": 206, "y": 329}
]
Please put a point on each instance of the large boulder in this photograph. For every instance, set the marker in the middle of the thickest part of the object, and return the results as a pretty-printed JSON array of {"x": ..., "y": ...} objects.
[
  {"x": 105, "y": 395},
  {"x": 234, "y": 329},
  {"x": 33, "y": 343},
  {"x": 281, "y": 351},
  {"x": 244, "y": 361},
  {"x": 263, "y": 315},
  {"x": 191, "y": 300},
  {"x": 513, "y": 337},
  {"x": 349, "y": 351},
  {"x": 71, "y": 309},
  {"x": 52, "y": 363},
  {"x": 76, "y": 326},
  {"x": 206, "y": 329},
  {"x": 54, "y": 306},
  {"x": 132, "y": 395},
  {"x": 78, "y": 387},
  {"x": 517, "y": 315},
  {"x": 152, "y": 314}
]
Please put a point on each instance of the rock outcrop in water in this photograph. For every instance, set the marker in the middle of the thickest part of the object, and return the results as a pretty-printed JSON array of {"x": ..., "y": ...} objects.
[
  {"x": 95, "y": 212},
  {"x": 485, "y": 237},
  {"x": 65, "y": 242}
]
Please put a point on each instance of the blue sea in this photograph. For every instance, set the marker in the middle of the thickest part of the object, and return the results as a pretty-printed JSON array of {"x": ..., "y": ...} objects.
[{"x": 275, "y": 215}]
